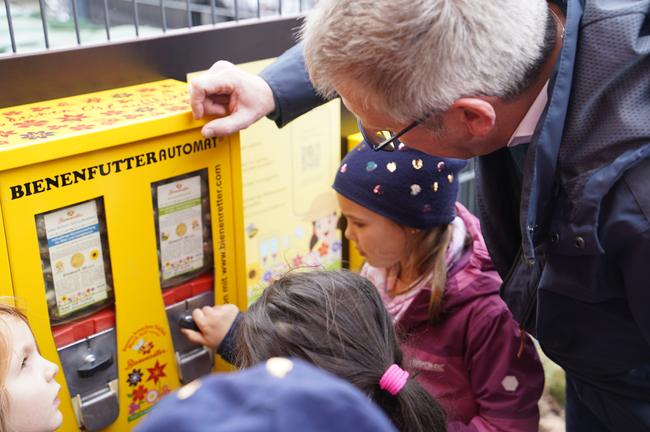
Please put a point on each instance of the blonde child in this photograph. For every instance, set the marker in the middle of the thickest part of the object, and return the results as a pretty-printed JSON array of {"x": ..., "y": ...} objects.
[
  {"x": 28, "y": 391},
  {"x": 425, "y": 254}
]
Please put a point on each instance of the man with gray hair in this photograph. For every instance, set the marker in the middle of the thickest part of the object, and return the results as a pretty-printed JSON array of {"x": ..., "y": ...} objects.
[{"x": 555, "y": 99}]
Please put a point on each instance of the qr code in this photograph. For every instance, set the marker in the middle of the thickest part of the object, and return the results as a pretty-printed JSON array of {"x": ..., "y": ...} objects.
[{"x": 310, "y": 156}]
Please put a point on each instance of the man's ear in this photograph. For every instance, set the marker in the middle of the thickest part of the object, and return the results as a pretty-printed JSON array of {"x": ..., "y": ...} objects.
[{"x": 478, "y": 115}]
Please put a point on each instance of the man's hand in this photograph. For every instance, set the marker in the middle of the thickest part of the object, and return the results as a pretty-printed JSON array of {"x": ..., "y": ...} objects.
[
  {"x": 213, "y": 322},
  {"x": 237, "y": 97}
]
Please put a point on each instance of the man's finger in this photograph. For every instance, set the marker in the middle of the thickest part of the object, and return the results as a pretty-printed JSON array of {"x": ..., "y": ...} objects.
[
  {"x": 221, "y": 65},
  {"x": 205, "y": 86},
  {"x": 227, "y": 125}
]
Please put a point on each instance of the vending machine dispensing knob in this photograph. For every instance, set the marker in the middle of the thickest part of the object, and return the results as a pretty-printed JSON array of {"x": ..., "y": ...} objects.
[
  {"x": 92, "y": 364},
  {"x": 193, "y": 360},
  {"x": 187, "y": 322}
]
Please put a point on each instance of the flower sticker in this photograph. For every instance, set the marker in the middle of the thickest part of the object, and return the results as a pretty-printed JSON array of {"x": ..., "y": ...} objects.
[
  {"x": 31, "y": 123},
  {"x": 139, "y": 393},
  {"x": 72, "y": 117},
  {"x": 134, "y": 378},
  {"x": 415, "y": 189},
  {"x": 36, "y": 135}
]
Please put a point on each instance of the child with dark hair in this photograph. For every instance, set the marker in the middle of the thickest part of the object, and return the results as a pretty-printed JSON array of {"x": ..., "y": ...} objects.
[{"x": 337, "y": 321}]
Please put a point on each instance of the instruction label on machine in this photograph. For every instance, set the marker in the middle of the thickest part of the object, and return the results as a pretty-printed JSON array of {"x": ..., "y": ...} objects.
[
  {"x": 75, "y": 250},
  {"x": 180, "y": 227}
]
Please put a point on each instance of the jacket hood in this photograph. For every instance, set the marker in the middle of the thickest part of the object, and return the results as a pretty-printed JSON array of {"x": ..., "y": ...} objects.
[{"x": 471, "y": 276}]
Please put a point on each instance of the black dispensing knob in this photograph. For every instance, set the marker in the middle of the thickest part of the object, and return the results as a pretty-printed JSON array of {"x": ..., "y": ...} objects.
[{"x": 187, "y": 322}]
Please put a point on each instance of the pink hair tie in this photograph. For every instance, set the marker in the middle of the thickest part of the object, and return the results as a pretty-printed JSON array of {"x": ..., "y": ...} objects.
[{"x": 394, "y": 379}]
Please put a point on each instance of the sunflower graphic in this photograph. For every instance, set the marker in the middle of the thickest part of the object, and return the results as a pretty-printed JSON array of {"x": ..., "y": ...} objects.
[{"x": 94, "y": 254}]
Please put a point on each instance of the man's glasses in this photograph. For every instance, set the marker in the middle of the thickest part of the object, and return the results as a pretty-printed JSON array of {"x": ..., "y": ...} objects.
[{"x": 386, "y": 140}]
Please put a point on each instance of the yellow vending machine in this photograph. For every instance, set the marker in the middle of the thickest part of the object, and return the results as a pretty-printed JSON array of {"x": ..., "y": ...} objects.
[{"x": 117, "y": 219}]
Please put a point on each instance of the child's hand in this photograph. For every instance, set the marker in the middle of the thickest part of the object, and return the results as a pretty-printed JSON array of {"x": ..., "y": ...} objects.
[{"x": 214, "y": 323}]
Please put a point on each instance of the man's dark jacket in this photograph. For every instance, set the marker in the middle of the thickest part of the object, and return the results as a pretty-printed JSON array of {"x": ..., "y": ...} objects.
[{"x": 571, "y": 236}]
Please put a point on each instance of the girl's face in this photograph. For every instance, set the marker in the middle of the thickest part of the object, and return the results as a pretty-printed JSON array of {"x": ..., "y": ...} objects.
[
  {"x": 33, "y": 405},
  {"x": 381, "y": 241}
]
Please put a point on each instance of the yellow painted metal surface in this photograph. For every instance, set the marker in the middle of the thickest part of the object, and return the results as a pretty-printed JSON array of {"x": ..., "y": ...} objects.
[
  {"x": 291, "y": 217},
  {"x": 114, "y": 145}
]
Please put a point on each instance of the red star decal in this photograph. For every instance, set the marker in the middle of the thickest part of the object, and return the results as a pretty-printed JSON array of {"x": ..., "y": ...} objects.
[{"x": 156, "y": 372}]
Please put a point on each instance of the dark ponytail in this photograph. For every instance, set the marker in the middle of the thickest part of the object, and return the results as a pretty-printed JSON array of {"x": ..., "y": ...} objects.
[
  {"x": 337, "y": 321},
  {"x": 412, "y": 409}
]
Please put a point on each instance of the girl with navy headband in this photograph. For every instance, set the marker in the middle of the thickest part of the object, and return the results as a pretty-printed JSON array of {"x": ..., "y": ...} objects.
[{"x": 425, "y": 254}]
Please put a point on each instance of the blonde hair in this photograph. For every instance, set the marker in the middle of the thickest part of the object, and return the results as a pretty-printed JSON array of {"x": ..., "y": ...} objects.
[
  {"x": 428, "y": 253},
  {"x": 419, "y": 56},
  {"x": 6, "y": 310}
]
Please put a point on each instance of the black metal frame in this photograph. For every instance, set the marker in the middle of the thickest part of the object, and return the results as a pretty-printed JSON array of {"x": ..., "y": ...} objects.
[{"x": 61, "y": 73}]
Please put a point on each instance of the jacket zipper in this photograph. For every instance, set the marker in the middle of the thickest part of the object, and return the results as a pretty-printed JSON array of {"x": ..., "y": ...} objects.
[
  {"x": 506, "y": 279},
  {"x": 522, "y": 331},
  {"x": 529, "y": 305}
]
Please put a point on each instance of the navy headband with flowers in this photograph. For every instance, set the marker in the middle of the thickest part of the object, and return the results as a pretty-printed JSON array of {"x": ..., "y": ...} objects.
[{"x": 407, "y": 186}]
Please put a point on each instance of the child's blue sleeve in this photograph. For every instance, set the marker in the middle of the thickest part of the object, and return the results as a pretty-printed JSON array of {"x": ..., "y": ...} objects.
[{"x": 227, "y": 347}]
